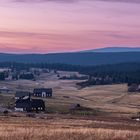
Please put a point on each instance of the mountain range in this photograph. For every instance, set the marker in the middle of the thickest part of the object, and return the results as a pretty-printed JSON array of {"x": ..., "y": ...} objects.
[
  {"x": 115, "y": 49},
  {"x": 91, "y": 57}
]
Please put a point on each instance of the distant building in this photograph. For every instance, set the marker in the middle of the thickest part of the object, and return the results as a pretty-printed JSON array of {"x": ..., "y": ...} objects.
[
  {"x": 26, "y": 76},
  {"x": 134, "y": 88},
  {"x": 43, "y": 92},
  {"x": 4, "y": 89},
  {"x": 22, "y": 95},
  {"x": 29, "y": 105}
]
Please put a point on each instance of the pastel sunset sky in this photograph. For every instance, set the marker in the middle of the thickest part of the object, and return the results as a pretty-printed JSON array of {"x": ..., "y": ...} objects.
[{"x": 45, "y": 26}]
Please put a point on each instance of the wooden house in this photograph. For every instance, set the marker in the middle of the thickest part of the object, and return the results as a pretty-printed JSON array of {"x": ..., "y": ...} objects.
[
  {"x": 29, "y": 105},
  {"x": 43, "y": 92}
]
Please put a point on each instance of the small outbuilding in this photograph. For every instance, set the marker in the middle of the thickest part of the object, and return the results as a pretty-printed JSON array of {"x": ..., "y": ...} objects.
[
  {"x": 22, "y": 95},
  {"x": 134, "y": 87},
  {"x": 43, "y": 92}
]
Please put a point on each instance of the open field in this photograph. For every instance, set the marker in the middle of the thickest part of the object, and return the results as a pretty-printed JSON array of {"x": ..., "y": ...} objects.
[
  {"x": 67, "y": 129},
  {"x": 109, "y": 98},
  {"x": 109, "y": 118}
]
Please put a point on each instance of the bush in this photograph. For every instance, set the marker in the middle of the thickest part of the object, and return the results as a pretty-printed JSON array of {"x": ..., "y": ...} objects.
[{"x": 5, "y": 112}]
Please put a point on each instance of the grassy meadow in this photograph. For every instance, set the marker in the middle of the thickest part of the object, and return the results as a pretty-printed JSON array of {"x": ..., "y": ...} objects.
[
  {"x": 66, "y": 129},
  {"x": 110, "y": 109}
]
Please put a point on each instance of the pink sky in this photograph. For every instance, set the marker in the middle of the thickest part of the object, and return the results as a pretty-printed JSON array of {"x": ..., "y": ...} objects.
[{"x": 42, "y": 26}]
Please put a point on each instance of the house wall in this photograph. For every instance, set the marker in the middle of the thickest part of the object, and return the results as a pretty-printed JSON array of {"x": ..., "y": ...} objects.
[
  {"x": 16, "y": 98},
  {"x": 25, "y": 97},
  {"x": 19, "y": 109},
  {"x": 43, "y": 94}
]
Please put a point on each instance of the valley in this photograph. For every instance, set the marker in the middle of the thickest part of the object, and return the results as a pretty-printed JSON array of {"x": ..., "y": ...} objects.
[{"x": 109, "y": 99}]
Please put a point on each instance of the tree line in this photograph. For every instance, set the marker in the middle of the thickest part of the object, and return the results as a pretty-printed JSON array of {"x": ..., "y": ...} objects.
[{"x": 102, "y": 74}]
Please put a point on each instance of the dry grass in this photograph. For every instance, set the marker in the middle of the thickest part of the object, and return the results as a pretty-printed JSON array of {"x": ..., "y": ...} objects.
[
  {"x": 60, "y": 129},
  {"x": 13, "y": 133},
  {"x": 109, "y": 98}
]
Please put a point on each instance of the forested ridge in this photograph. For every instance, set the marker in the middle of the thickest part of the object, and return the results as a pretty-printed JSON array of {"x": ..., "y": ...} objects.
[
  {"x": 101, "y": 74},
  {"x": 76, "y": 58}
]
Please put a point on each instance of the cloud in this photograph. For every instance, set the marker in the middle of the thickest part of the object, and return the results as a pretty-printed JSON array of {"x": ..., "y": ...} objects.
[
  {"x": 28, "y": 42},
  {"x": 39, "y": 1},
  {"x": 70, "y": 1},
  {"x": 124, "y": 1}
]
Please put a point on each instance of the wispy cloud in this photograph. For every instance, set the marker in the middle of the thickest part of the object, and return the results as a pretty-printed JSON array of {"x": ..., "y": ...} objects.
[
  {"x": 55, "y": 26},
  {"x": 129, "y": 1},
  {"x": 69, "y": 1},
  {"x": 28, "y": 42},
  {"x": 38, "y": 1}
]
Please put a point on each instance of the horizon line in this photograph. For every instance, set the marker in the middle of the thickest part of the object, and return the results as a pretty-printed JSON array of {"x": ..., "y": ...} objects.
[{"x": 80, "y": 51}]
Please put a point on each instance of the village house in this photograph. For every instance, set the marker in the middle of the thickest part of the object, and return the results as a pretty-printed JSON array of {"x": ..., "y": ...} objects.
[
  {"x": 27, "y": 76},
  {"x": 23, "y": 102},
  {"x": 30, "y": 105},
  {"x": 134, "y": 88},
  {"x": 42, "y": 92}
]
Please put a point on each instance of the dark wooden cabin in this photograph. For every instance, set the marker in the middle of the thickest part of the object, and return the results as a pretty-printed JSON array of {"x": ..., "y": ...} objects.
[
  {"x": 30, "y": 105},
  {"x": 43, "y": 92}
]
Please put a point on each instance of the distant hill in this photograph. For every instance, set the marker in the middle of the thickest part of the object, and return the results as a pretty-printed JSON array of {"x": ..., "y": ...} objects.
[
  {"x": 84, "y": 58},
  {"x": 114, "y": 49}
]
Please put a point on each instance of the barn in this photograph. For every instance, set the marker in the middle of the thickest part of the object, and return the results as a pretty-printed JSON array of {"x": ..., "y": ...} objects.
[{"x": 43, "y": 92}]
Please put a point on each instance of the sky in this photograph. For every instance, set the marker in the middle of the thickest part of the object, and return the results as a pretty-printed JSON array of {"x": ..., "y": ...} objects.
[{"x": 49, "y": 26}]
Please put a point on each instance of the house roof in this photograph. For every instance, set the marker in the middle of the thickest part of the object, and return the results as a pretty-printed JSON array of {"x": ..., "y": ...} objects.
[
  {"x": 30, "y": 103},
  {"x": 21, "y": 94},
  {"x": 23, "y": 103},
  {"x": 40, "y": 90},
  {"x": 37, "y": 103}
]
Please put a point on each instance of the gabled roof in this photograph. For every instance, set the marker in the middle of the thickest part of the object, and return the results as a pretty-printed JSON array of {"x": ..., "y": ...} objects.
[
  {"x": 22, "y": 94},
  {"x": 37, "y": 103},
  {"x": 37, "y": 90},
  {"x": 34, "y": 103},
  {"x": 23, "y": 103}
]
